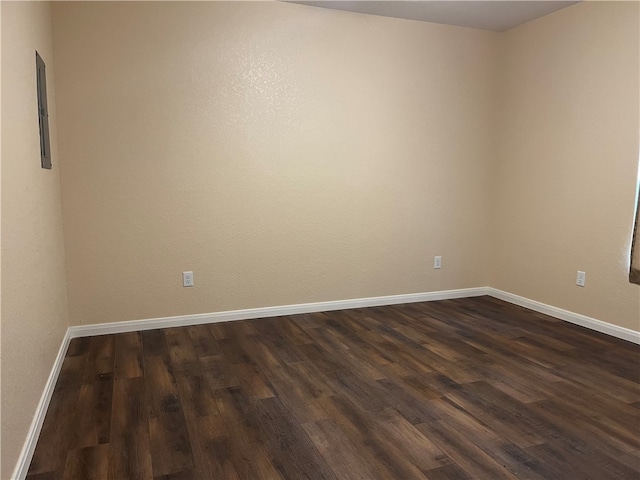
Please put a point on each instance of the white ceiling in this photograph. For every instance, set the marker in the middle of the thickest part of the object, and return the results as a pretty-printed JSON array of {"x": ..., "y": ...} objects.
[{"x": 498, "y": 16}]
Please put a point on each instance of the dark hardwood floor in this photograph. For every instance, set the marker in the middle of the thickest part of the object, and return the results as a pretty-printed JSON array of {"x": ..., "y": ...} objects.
[{"x": 457, "y": 389}]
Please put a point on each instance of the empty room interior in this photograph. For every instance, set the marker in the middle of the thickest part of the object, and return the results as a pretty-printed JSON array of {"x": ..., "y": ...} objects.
[{"x": 329, "y": 240}]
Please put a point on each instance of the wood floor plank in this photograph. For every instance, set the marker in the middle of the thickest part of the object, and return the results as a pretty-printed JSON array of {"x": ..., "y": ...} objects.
[
  {"x": 239, "y": 415},
  {"x": 579, "y": 464},
  {"x": 184, "y": 359},
  {"x": 288, "y": 446},
  {"x": 78, "y": 347},
  {"x": 353, "y": 357},
  {"x": 233, "y": 351},
  {"x": 413, "y": 407},
  {"x": 511, "y": 419},
  {"x": 465, "y": 453},
  {"x": 154, "y": 342},
  {"x": 93, "y": 418},
  {"x": 599, "y": 431},
  {"x": 370, "y": 438},
  {"x": 168, "y": 434},
  {"x": 294, "y": 334},
  {"x": 196, "y": 396},
  {"x": 170, "y": 443},
  {"x": 50, "y": 454},
  {"x": 448, "y": 472},
  {"x": 254, "y": 383},
  {"x": 128, "y": 355},
  {"x": 510, "y": 456},
  {"x": 203, "y": 342},
  {"x": 461, "y": 389},
  {"x": 423, "y": 453},
  {"x": 100, "y": 358},
  {"x": 597, "y": 379},
  {"x": 218, "y": 372},
  {"x": 279, "y": 344},
  {"x": 631, "y": 460},
  {"x": 71, "y": 373},
  {"x": 90, "y": 463},
  {"x": 211, "y": 448},
  {"x": 342, "y": 455},
  {"x": 298, "y": 393},
  {"x": 255, "y": 461},
  {"x": 129, "y": 445},
  {"x": 42, "y": 476}
]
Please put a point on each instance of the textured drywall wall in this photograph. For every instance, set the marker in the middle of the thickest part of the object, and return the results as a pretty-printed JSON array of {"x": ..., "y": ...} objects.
[
  {"x": 284, "y": 154},
  {"x": 34, "y": 297},
  {"x": 568, "y": 159}
]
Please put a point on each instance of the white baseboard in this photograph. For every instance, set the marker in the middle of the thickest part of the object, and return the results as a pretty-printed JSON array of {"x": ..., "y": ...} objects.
[
  {"x": 29, "y": 447},
  {"x": 264, "y": 312},
  {"x": 567, "y": 316}
]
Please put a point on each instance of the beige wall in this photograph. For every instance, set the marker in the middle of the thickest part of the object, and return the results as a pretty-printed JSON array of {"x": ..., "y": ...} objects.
[
  {"x": 34, "y": 298},
  {"x": 568, "y": 159},
  {"x": 285, "y": 154}
]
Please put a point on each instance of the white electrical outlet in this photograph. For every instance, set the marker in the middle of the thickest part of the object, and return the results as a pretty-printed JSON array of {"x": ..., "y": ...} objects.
[
  {"x": 581, "y": 278},
  {"x": 187, "y": 279},
  {"x": 437, "y": 261}
]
